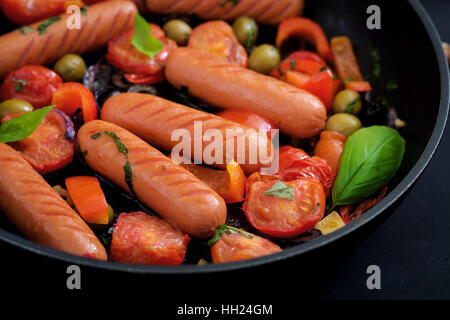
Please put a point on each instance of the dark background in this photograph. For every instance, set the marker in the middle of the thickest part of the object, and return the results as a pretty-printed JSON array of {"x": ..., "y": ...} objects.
[{"x": 410, "y": 243}]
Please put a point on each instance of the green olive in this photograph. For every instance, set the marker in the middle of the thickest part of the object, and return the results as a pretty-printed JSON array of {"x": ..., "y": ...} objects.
[
  {"x": 70, "y": 67},
  {"x": 246, "y": 30},
  {"x": 343, "y": 123},
  {"x": 348, "y": 101},
  {"x": 14, "y": 106},
  {"x": 264, "y": 59},
  {"x": 177, "y": 30}
]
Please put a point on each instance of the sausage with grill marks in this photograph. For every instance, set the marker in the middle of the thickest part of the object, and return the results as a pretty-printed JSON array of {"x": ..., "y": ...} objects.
[
  {"x": 173, "y": 192},
  {"x": 264, "y": 11},
  {"x": 101, "y": 23},
  {"x": 218, "y": 82},
  {"x": 39, "y": 213},
  {"x": 154, "y": 119}
]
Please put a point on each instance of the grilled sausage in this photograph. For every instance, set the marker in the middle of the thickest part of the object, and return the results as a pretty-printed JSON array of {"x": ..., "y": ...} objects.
[
  {"x": 155, "y": 119},
  {"x": 296, "y": 112},
  {"x": 101, "y": 23},
  {"x": 39, "y": 213},
  {"x": 264, "y": 11},
  {"x": 169, "y": 189}
]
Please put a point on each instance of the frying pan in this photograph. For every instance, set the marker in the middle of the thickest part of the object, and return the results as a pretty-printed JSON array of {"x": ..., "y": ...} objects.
[{"x": 411, "y": 53}]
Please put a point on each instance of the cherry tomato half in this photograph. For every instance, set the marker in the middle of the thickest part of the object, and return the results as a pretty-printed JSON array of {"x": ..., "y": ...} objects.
[
  {"x": 283, "y": 218},
  {"x": 35, "y": 84},
  {"x": 47, "y": 149},
  {"x": 124, "y": 56},
  {"x": 142, "y": 239},
  {"x": 218, "y": 37},
  {"x": 295, "y": 163},
  {"x": 236, "y": 246},
  {"x": 72, "y": 96}
]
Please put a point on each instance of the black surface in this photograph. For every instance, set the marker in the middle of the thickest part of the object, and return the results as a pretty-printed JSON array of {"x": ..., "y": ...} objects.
[{"x": 410, "y": 243}]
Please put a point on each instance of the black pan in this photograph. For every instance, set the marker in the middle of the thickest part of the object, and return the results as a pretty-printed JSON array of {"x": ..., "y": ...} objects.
[{"x": 411, "y": 53}]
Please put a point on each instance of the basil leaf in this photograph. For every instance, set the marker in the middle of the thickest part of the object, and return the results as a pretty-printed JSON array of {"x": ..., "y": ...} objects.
[
  {"x": 84, "y": 10},
  {"x": 280, "y": 190},
  {"x": 22, "y": 126},
  {"x": 143, "y": 40},
  {"x": 370, "y": 158},
  {"x": 224, "y": 228}
]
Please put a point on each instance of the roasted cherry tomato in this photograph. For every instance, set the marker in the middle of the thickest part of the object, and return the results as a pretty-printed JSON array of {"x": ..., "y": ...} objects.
[
  {"x": 35, "y": 84},
  {"x": 329, "y": 148},
  {"x": 24, "y": 12},
  {"x": 295, "y": 163},
  {"x": 307, "y": 29},
  {"x": 124, "y": 56},
  {"x": 306, "y": 55},
  {"x": 236, "y": 246},
  {"x": 72, "y": 96},
  {"x": 51, "y": 146},
  {"x": 279, "y": 217},
  {"x": 89, "y": 199},
  {"x": 142, "y": 239},
  {"x": 218, "y": 37},
  {"x": 229, "y": 184},
  {"x": 249, "y": 119}
]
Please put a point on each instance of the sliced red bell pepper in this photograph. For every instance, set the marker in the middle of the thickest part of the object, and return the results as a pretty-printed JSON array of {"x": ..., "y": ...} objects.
[
  {"x": 307, "y": 29},
  {"x": 358, "y": 86},
  {"x": 72, "y": 96},
  {"x": 89, "y": 199},
  {"x": 345, "y": 62},
  {"x": 345, "y": 211}
]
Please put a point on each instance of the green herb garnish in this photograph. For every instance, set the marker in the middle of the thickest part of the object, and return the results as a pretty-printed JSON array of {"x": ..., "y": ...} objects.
[
  {"x": 323, "y": 69},
  {"x": 376, "y": 62},
  {"x": 280, "y": 190},
  {"x": 392, "y": 85},
  {"x": 316, "y": 207},
  {"x": 370, "y": 158},
  {"x": 351, "y": 105},
  {"x": 251, "y": 37},
  {"x": 96, "y": 136},
  {"x": 42, "y": 28},
  {"x": 20, "y": 84},
  {"x": 224, "y": 228},
  {"x": 84, "y": 10},
  {"x": 348, "y": 80},
  {"x": 21, "y": 127},
  {"x": 293, "y": 64},
  {"x": 122, "y": 148},
  {"x": 143, "y": 40},
  {"x": 26, "y": 30}
]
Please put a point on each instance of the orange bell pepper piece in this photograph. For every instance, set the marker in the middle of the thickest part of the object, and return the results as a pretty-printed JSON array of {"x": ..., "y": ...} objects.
[
  {"x": 345, "y": 62},
  {"x": 88, "y": 198},
  {"x": 229, "y": 183}
]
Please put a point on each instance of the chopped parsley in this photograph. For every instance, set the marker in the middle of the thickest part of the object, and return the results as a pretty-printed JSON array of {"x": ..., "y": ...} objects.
[
  {"x": 20, "y": 84},
  {"x": 26, "y": 30},
  {"x": 42, "y": 28}
]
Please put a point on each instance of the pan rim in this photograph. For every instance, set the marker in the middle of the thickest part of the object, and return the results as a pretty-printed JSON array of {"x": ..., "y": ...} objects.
[{"x": 371, "y": 214}]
